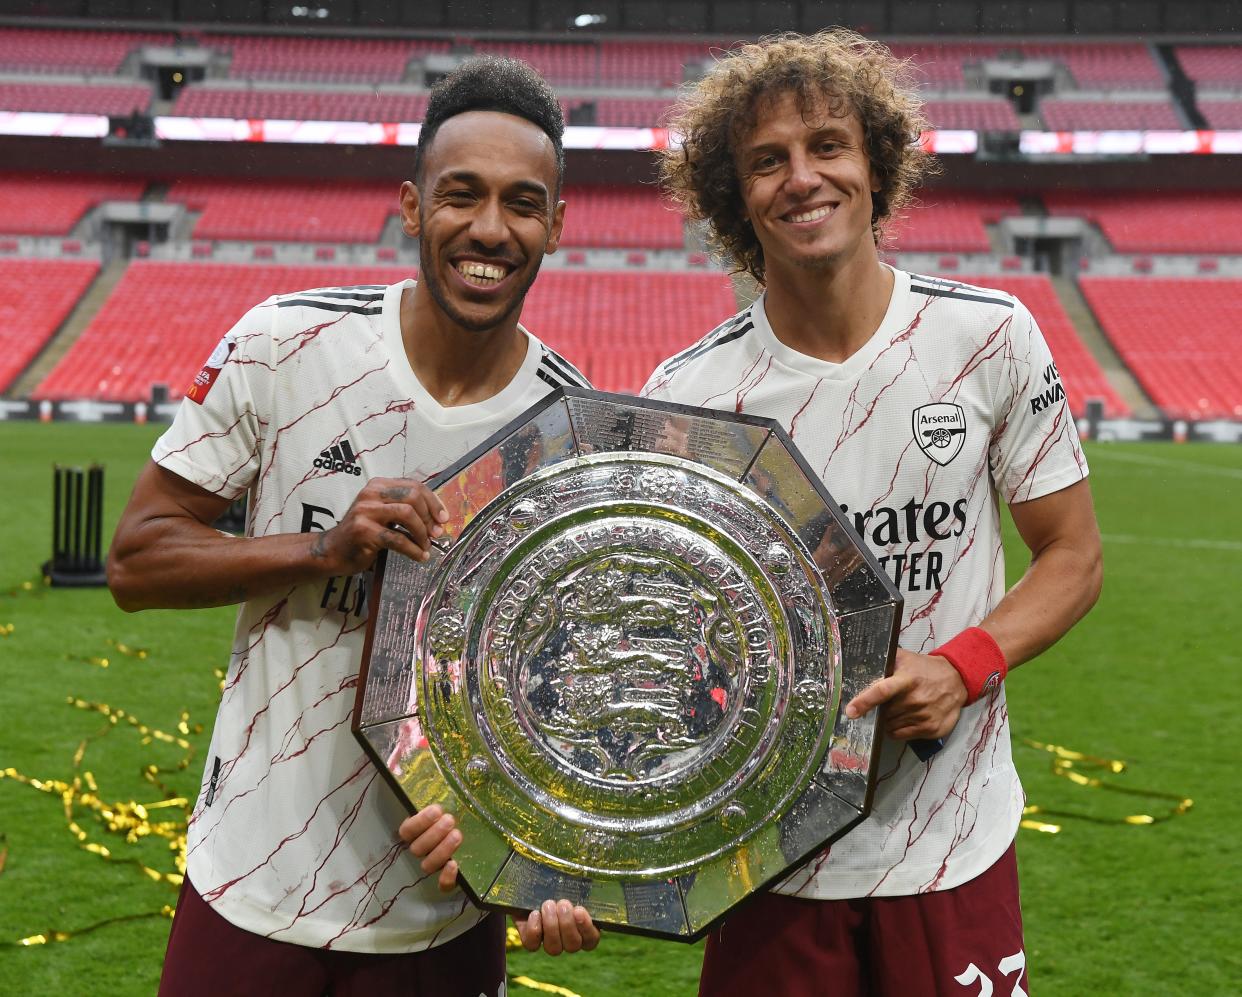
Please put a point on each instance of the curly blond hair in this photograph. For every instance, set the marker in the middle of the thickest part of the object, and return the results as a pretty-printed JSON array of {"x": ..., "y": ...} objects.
[{"x": 851, "y": 72}]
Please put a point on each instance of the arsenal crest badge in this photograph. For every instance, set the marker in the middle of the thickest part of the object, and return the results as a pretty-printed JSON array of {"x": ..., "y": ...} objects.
[{"x": 940, "y": 430}]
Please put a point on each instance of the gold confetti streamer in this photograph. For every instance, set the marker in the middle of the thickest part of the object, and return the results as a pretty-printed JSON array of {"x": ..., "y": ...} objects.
[
  {"x": 130, "y": 821},
  {"x": 141, "y": 653},
  {"x": 547, "y": 988},
  {"x": 1067, "y": 763}
]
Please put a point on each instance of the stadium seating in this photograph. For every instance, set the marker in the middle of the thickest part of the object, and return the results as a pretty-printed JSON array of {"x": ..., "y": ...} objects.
[
  {"x": 1212, "y": 64},
  {"x": 1222, "y": 114},
  {"x": 950, "y": 221},
  {"x": 300, "y": 105},
  {"x": 1080, "y": 373},
  {"x": 67, "y": 98},
  {"x": 1158, "y": 222},
  {"x": 561, "y": 63},
  {"x": 996, "y": 115},
  {"x": 630, "y": 217},
  {"x": 35, "y": 298},
  {"x": 1178, "y": 336},
  {"x": 940, "y": 64},
  {"x": 1094, "y": 65},
  {"x": 46, "y": 51},
  {"x": 325, "y": 59},
  {"x": 294, "y": 210},
  {"x": 1103, "y": 65},
  {"x": 53, "y": 205},
  {"x": 616, "y": 326},
  {"x": 164, "y": 318},
  {"x": 636, "y": 112},
  {"x": 1109, "y": 115}
]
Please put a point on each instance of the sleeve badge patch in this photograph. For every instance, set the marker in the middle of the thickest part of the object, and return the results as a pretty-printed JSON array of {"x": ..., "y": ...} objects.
[{"x": 206, "y": 377}]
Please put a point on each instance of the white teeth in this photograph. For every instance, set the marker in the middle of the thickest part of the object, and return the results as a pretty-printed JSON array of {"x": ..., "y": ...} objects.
[
  {"x": 813, "y": 215},
  {"x": 480, "y": 271}
]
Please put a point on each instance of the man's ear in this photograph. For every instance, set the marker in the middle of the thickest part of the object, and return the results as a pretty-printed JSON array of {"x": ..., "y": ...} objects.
[
  {"x": 409, "y": 200},
  {"x": 558, "y": 224}
]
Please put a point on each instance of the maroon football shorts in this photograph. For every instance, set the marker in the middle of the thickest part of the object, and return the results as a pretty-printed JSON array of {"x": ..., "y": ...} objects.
[
  {"x": 964, "y": 942},
  {"x": 208, "y": 955}
]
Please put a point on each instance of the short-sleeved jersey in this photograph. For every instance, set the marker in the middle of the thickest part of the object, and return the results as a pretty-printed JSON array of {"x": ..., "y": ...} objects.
[
  {"x": 310, "y": 395},
  {"x": 953, "y": 402}
]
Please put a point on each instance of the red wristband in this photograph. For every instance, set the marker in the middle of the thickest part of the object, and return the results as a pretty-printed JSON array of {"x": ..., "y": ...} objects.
[{"x": 978, "y": 660}]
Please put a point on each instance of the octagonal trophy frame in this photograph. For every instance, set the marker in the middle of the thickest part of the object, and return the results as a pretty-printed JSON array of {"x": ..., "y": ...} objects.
[{"x": 534, "y": 678}]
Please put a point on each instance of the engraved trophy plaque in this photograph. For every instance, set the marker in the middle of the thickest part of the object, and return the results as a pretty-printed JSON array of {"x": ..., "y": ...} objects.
[{"x": 623, "y": 667}]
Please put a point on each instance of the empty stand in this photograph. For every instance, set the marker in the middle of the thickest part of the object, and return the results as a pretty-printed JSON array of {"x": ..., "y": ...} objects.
[
  {"x": 164, "y": 319},
  {"x": 636, "y": 112},
  {"x": 630, "y": 217},
  {"x": 67, "y": 98},
  {"x": 1112, "y": 65},
  {"x": 326, "y": 59},
  {"x": 1222, "y": 114},
  {"x": 36, "y": 296},
  {"x": 616, "y": 326},
  {"x": 1158, "y": 221},
  {"x": 300, "y": 211},
  {"x": 560, "y": 63},
  {"x": 950, "y": 221},
  {"x": 300, "y": 105},
  {"x": 1109, "y": 115},
  {"x": 53, "y": 205},
  {"x": 1212, "y": 64},
  {"x": 976, "y": 115},
  {"x": 46, "y": 51},
  {"x": 1178, "y": 336},
  {"x": 1080, "y": 373},
  {"x": 940, "y": 65}
]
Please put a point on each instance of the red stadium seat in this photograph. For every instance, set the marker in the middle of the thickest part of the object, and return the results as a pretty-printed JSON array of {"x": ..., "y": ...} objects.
[
  {"x": 164, "y": 318},
  {"x": 1109, "y": 115},
  {"x": 32, "y": 205},
  {"x": 68, "y": 98},
  {"x": 300, "y": 105},
  {"x": 950, "y": 221},
  {"x": 626, "y": 217},
  {"x": 56, "y": 51},
  {"x": 1158, "y": 222},
  {"x": 1178, "y": 336},
  {"x": 650, "y": 315},
  {"x": 36, "y": 296},
  {"x": 322, "y": 211}
]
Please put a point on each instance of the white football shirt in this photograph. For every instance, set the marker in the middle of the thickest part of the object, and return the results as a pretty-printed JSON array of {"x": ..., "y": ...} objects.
[
  {"x": 954, "y": 402},
  {"x": 294, "y": 834}
]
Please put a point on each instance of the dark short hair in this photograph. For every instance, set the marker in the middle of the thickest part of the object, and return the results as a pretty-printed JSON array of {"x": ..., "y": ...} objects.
[
  {"x": 493, "y": 83},
  {"x": 850, "y": 72}
]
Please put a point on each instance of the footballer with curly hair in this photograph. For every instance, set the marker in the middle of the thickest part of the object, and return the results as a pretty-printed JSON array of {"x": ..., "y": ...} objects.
[{"x": 923, "y": 404}]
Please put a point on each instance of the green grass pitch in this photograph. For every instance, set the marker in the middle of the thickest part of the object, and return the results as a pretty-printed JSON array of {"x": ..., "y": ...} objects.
[{"x": 1151, "y": 677}]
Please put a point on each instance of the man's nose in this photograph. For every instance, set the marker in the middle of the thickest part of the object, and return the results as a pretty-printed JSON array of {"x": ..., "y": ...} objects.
[
  {"x": 803, "y": 178},
  {"x": 488, "y": 226}
]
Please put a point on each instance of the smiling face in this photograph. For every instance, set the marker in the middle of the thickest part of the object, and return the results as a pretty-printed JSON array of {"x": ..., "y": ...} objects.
[
  {"x": 807, "y": 185},
  {"x": 485, "y": 213}
]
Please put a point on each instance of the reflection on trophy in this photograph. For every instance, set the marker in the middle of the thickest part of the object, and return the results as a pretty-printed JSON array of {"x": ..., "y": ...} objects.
[{"x": 627, "y": 663}]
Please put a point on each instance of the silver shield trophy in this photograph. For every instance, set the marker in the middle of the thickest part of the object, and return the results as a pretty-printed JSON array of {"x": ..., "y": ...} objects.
[{"x": 623, "y": 668}]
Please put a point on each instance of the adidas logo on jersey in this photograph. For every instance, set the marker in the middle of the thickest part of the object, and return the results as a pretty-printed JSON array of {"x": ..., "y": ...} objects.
[{"x": 339, "y": 457}]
